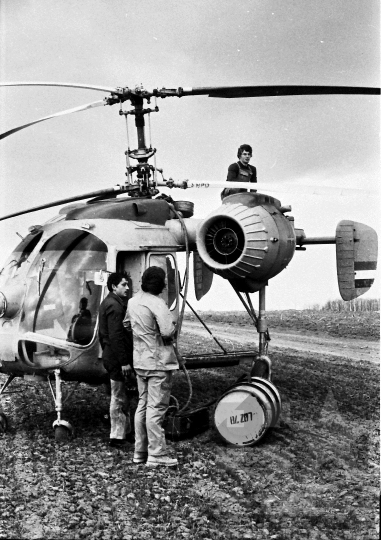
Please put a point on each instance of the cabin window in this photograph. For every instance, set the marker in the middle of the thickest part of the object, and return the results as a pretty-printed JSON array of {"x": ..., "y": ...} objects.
[
  {"x": 168, "y": 264},
  {"x": 62, "y": 299}
]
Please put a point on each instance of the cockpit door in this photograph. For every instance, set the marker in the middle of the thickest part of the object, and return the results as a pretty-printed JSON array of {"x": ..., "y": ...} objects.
[{"x": 167, "y": 262}]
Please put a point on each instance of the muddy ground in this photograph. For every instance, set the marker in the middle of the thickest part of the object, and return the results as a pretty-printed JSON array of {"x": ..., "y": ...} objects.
[{"x": 314, "y": 475}]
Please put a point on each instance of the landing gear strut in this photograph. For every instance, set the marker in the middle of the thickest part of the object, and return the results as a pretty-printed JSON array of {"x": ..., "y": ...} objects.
[
  {"x": 3, "y": 418},
  {"x": 249, "y": 408},
  {"x": 63, "y": 430},
  {"x": 261, "y": 366}
]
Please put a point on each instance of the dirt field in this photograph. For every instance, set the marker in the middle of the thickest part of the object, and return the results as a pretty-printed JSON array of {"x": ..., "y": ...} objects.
[
  {"x": 315, "y": 475},
  {"x": 350, "y": 348}
]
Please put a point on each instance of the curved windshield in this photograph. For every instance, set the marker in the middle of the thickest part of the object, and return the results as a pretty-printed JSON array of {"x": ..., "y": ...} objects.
[
  {"x": 63, "y": 299},
  {"x": 19, "y": 256}
]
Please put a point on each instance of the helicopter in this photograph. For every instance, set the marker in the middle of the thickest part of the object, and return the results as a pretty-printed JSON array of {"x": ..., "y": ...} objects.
[{"x": 53, "y": 282}]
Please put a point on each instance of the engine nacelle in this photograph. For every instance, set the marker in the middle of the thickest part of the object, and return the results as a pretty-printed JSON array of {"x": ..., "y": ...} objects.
[{"x": 247, "y": 240}]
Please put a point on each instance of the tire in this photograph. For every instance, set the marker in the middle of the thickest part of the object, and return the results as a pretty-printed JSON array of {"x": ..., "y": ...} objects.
[{"x": 62, "y": 434}]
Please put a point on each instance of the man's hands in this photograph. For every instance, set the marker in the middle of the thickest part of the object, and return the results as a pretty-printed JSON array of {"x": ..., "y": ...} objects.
[{"x": 127, "y": 370}]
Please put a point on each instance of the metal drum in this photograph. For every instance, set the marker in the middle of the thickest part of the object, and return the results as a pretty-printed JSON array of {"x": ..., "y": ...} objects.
[{"x": 245, "y": 412}]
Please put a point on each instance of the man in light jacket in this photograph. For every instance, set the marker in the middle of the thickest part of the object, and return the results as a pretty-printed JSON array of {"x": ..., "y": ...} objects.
[{"x": 154, "y": 362}]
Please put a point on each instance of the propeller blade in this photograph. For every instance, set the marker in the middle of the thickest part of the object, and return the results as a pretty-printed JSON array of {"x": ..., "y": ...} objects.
[
  {"x": 298, "y": 189},
  {"x": 62, "y": 113},
  {"x": 65, "y": 85},
  {"x": 99, "y": 193},
  {"x": 276, "y": 90}
]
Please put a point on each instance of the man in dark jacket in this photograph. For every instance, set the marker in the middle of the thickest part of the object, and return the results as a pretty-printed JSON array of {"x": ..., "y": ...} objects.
[
  {"x": 241, "y": 171},
  {"x": 116, "y": 343}
]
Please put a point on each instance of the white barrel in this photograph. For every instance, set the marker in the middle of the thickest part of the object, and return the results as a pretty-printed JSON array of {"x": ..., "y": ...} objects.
[{"x": 245, "y": 412}]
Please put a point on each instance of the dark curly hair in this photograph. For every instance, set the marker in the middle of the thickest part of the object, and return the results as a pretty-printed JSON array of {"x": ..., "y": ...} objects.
[
  {"x": 115, "y": 279},
  {"x": 153, "y": 280}
]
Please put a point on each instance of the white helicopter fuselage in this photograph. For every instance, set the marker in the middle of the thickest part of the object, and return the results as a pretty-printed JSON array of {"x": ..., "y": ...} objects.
[{"x": 65, "y": 264}]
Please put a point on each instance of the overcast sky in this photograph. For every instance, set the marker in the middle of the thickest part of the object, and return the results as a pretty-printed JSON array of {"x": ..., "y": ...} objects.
[{"x": 325, "y": 141}]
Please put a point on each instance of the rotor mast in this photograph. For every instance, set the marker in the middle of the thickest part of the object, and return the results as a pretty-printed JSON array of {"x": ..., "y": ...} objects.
[
  {"x": 142, "y": 153},
  {"x": 140, "y": 124},
  {"x": 137, "y": 101}
]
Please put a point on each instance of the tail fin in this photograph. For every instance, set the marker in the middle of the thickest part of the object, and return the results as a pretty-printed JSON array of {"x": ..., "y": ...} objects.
[{"x": 356, "y": 251}]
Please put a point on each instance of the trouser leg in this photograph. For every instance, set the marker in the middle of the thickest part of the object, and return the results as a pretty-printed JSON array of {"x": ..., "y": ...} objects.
[
  {"x": 133, "y": 398},
  {"x": 141, "y": 440},
  {"x": 159, "y": 391},
  {"x": 119, "y": 411}
]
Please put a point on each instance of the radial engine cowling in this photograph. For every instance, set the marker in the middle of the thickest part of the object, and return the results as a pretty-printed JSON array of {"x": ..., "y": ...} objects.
[{"x": 247, "y": 240}]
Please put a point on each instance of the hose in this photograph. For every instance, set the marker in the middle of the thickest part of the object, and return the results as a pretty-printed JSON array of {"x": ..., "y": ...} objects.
[{"x": 181, "y": 315}]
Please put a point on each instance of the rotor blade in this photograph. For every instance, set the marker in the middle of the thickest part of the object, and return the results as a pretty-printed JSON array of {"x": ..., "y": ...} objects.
[
  {"x": 101, "y": 192},
  {"x": 276, "y": 90},
  {"x": 62, "y": 113},
  {"x": 65, "y": 85},
  {"x": 298, "y": 189}
]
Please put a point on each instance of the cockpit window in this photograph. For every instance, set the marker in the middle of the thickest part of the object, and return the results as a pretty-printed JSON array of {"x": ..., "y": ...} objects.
[
  {"x": 62, "y": 299},
  {"x": 20, "y": 255}
]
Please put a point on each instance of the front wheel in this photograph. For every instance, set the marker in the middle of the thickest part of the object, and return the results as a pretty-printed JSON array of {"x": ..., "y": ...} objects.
[
  {"x": 63, "y": 431},
  {"x": 62, "y": 434}
]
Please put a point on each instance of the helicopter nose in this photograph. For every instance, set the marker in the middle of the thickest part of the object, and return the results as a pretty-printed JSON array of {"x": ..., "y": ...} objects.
[{"x": 11, "y": 298}]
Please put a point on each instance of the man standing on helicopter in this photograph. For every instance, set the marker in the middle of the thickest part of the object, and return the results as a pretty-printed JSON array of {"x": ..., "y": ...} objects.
[
  {"x": 241, "y": 171},
  {"x": 116, "y": 343},
  {"x": 154, "y": 361}
]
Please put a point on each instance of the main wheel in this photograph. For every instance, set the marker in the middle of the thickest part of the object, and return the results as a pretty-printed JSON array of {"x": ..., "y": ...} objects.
[
  {"x": 260, "y": 369},
  {"x": 3, "y": 423}
]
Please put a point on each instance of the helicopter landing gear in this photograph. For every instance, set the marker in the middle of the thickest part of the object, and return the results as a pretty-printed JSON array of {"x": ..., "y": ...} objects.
[
  {"x": 3, "y": 418},
  {"x": 253, "y": 405},
  {"x": 63, "y": 430},
  {"x": 261, "y": 366}
]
